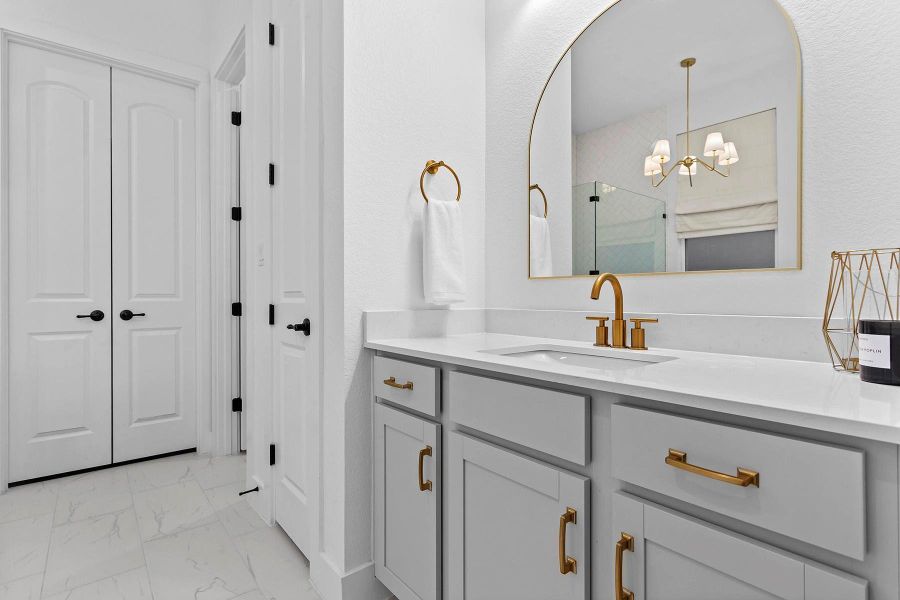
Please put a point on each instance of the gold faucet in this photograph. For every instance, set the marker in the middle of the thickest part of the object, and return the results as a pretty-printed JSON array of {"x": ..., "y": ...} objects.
[
  {"x": 618, "y": 324},
  {"x": 619, "y": 327}
]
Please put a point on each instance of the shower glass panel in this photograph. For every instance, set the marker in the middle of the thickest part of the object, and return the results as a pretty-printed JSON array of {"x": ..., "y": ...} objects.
[{"x": 616, "y": 230}]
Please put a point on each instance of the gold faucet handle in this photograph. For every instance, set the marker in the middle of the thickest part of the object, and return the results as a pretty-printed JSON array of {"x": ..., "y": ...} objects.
[
  {"x": 638, "y": 334},
  {"x": 602, "y": 334}
]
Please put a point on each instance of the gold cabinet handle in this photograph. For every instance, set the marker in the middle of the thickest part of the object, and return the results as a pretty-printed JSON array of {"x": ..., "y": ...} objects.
[
  {"x": 392, "y": 381},
  {"x": 424, "y": 486},
  {"x": 626, "y": 542},
  {"x": 744, "y": 477},
  {"x": 567, "y": 564}
]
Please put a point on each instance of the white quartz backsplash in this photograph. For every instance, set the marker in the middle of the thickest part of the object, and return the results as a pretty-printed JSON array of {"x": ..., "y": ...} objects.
[{"x": 794, "y": 338}]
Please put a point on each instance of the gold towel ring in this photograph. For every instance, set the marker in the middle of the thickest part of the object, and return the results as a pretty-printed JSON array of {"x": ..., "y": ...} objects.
[
  {"x": 431, "y": 167},
  {"x": 543, "y": 195}
]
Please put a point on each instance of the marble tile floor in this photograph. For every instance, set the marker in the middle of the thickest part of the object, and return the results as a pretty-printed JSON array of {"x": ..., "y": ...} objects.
[{"x": 168, "y": 529}]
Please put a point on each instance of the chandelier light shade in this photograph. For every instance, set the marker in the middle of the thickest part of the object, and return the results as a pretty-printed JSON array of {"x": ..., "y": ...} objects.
[
  {"x": 661, "y": 152},
  {"x": 714, "y": 144},
  {"x": 651, "y": 167},
  {"x": 729, "y": 156},
  {"x": 685, "y": 170},
  {"x": 722, "y": 152}
]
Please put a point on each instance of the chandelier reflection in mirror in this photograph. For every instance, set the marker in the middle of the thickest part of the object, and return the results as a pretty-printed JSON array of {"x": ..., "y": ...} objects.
[{"x": 722, "y": 152}]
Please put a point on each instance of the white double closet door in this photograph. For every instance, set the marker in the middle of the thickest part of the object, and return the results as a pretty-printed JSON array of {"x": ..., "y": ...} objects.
[{"x": 102, "y": 219}]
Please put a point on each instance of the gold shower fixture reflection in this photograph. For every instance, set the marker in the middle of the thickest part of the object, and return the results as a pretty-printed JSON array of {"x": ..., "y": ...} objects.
[{"x": 722, "y": 152}]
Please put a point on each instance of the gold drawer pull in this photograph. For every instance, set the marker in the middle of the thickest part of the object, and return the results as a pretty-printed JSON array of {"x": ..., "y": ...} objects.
[
  {"x": 424, "y": 486},
  {"x": 567, "y": 564},
  {"x": 744, "y": 477},
  {"x": 626, "y": 542},
  {"x": 392, "y": 381}
]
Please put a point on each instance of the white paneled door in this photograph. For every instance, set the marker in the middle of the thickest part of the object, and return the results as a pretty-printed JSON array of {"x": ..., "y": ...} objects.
[
  {"x": 102, "y": 253},
  {"x": 153, "y": 240},
  {"x": 295, "y": 240},
  {"x": 59, "y": 263}
]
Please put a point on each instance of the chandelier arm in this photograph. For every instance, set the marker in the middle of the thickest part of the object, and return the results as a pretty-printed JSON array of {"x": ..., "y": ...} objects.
[
  {"x": 706, "y": 164},
  {"x": 712, "y": 167},
  {"x": 662, "y": 170}
]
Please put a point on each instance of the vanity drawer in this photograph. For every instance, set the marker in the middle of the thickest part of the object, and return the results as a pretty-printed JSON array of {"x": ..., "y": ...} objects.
[
  {"x": 410, "y": 385},
  {"x": 808, "y": 491},
  {"x": 557, "y": 423}
]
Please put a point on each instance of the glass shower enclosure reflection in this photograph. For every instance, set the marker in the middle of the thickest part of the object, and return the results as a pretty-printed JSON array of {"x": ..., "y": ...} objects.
[{"x": 615, "y": 230}]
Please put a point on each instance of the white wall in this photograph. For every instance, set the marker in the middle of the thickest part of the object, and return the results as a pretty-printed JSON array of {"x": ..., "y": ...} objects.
[
  {"x": 414, "y": 90},
  {"x": 225, "y": 19},
  {"x": 850, "y": 200},
  {"x": 173, "y": 29}
]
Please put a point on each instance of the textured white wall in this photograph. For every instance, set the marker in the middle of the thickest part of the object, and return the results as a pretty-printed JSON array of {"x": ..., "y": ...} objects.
[
  {"x": 173, "y": 29},
  {"x": 414, "y": 89},
  {"x": 225, "y": 21},
  {"x": 851, "y": 86}
]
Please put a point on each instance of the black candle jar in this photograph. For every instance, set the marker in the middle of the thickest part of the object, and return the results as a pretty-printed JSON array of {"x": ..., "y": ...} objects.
[{"x": 879, "y": 351}]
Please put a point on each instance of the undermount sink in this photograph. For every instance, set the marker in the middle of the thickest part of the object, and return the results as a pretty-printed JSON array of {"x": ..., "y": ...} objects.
[{"x": 604, "y": 359}]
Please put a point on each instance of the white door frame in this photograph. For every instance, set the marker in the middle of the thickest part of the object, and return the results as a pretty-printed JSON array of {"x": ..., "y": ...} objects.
[
  {"x": 113, "y": 55},
  {"x": 230, "y": 73}
]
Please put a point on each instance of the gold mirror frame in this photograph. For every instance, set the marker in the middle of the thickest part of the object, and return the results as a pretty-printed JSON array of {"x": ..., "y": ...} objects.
[{"x": 799, "y": 56}]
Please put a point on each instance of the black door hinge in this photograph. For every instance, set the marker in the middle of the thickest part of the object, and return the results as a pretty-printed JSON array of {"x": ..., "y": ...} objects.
[
  {"x": 271, "y": 34},
  {"x": 236, "y": 118},
  {"x": 236, "y": 213},
  {"x": 271, "y": 314},
  {"x": 595, "y": 199},
  {"x": 237, "y": 405},
  {"x": 271, "y": 174},
  {"x": 665, "y": 216},
  {"x": 271, "y": 455},
  {"x": 237, "y": 309}
]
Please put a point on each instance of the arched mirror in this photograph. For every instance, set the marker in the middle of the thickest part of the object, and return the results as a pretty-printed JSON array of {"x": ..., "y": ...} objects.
[{"x": 668, "y": 140}]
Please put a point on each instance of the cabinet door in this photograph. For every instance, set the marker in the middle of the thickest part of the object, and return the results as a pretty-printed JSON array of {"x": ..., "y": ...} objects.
[
  {"x": 407, "y": 504},
  {"x": 674, "y": 557},
  {"x": 515, "y": 526}
]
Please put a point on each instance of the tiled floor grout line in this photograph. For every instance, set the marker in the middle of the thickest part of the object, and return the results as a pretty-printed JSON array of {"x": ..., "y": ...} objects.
[
  {"x": 49, "y": 540},
  {"x": 140, "y": 538}
]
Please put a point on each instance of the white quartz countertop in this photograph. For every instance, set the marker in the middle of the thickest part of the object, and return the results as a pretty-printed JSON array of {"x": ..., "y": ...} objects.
[{"x": 805, "y": 394}]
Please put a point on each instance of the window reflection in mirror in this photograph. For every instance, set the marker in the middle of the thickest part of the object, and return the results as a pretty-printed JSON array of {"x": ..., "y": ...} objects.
[{"x": 643, "y": 161}]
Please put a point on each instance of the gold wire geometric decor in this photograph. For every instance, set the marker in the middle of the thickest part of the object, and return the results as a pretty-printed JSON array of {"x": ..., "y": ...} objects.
[{"x": 864, "y": 284}]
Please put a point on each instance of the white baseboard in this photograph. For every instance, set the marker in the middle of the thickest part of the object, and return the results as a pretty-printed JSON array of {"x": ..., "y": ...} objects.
[{"x": 357, "y": 584}]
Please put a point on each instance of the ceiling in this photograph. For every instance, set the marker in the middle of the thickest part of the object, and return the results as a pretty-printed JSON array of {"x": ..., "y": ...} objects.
[{"x": 627, "y": 62}]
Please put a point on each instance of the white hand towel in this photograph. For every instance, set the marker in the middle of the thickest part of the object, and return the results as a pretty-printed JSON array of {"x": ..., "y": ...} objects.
[
  {"x": 541, "y": 253},
  {"x": 444, "y": 257}
]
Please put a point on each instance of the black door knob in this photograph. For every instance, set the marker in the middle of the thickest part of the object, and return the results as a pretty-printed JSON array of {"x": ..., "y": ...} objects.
[
  {"x": 127, "y": 315},
  {"x": 96, "y": 315},
  {"x": 301, "y": 327}
]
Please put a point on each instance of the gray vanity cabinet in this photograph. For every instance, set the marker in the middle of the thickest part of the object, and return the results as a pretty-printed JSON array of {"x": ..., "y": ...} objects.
[
  {"x": 671, "y": 556},
  {"x": 519, "y": 529},
  {"x": 541, "y": 482},
  {"x": 407, "y": 504}
]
